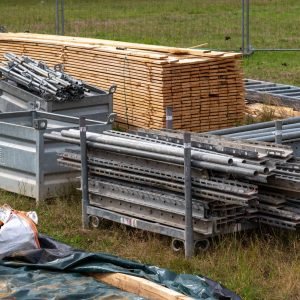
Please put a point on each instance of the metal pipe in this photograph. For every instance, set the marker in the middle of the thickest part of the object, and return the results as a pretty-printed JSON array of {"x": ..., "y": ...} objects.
[
  {"x": 189, "y": 238},
  {"x": 57, "y": 17},
  {"x": 225, "y": 169},
  {"x": 243, "y": 27},
  {"x": 258, "y": 168},
  {"x": 62, "y": 17},
  {"x": 285, "y": 136},
  {"x": 147, "y": 146},
  {"x": 231, "y": 130},
  {"x": 264, "y": 130},
  {"x": 277, "y": 49},
  {"x": 247, "y": 27},
  {"x": 242, "y": 171},
  {"x": 267, "y": 133}
]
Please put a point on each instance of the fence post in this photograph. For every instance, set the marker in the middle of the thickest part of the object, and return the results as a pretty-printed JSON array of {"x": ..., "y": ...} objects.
[
  {"x": 243, "y": 27},
  {"x": 60, "y": 17},
  {"x": 246, "y": 47},
  {"x": 248, "y": 50},
  {"x": 57, "y": 17}
]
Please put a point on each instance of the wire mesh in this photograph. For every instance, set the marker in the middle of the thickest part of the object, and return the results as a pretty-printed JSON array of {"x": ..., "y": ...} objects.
[{"x": 185, "y": 23}]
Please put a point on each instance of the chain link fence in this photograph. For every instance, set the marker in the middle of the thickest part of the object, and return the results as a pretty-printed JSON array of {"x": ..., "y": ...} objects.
[{"x": 273, "y": 24}]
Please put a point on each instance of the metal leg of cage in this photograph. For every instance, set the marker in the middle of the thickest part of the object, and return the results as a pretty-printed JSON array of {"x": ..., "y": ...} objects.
[
  {"x": 189, "y": 238},
  {"x": 278, "y": 132},
  {"x": 169, "y": 117},
  {"x": 84, "y": 172}
]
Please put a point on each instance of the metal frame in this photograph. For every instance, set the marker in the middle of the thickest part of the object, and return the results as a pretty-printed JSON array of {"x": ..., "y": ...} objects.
[
  {"x": 60, "y": 17},
  {"x": 28, "y": 163},
  {"x": 100, "y": 201},
  {"x": 97, "y": 104}
]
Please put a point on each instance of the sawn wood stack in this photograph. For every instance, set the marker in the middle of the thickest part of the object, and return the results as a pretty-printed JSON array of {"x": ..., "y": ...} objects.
[{"x": 204, "y": 88}]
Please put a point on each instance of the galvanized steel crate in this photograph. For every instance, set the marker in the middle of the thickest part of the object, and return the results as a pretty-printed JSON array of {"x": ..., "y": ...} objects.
[
  {"x": 96, "y": 105},
  {"x": 28, "y": 161}
]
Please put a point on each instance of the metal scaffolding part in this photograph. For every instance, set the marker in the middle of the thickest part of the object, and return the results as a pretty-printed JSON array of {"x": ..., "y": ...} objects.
[
  {"x": 286, "y": 131},
  {"x": 51, "y": 84},
  {"x": 272, "y": 93},
  {"x": 142, "y": 178}
]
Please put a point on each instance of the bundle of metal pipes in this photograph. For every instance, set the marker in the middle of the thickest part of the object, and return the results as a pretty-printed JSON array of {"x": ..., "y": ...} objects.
[
  {"x": 287, "y": 129},
  {"x": 37, "y": 77},
  {"x": 141, "y": 174},
  {"x": 278, "y": 190}
]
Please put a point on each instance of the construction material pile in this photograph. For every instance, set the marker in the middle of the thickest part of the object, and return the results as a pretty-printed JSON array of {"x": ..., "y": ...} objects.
[
  {"x": 258, "y": 91},
  {"x": 140, "y": 174},
  {"x": 204, "y": 89},
  {"x": 37, "y": 77},
  {"x": 265, "y": 131}
]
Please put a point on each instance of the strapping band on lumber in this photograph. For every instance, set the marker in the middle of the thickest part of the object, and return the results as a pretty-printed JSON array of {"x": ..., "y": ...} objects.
[
  {"x": 139, "y": 286},
  {"x": 203, "y": 88}
]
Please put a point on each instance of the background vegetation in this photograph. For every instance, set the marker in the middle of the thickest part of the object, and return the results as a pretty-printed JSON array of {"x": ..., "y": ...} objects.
[
  {"x": 264, "y": 264},
  {"x": 185, "y": 23}
]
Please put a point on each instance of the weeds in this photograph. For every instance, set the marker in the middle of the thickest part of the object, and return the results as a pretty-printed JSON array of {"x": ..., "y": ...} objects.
[{"x": 261, "y": 264}]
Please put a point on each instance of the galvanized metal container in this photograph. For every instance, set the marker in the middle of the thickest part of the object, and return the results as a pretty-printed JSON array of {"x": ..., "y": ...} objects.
[
  {"x": 96, "y": 105},
  {"x": 28, "y": 161}
]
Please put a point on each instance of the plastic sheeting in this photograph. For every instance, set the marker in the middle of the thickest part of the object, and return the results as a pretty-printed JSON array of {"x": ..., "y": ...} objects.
[{"x": 56, "y": 271}]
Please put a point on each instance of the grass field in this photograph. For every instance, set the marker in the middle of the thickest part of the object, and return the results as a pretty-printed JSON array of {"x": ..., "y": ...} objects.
[
  {"x": 258, "y": 265},
  {"x": 186, "y": 23}
]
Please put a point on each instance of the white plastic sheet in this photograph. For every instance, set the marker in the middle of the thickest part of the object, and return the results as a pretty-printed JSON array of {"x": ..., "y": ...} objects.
[{"x": 18, "y": 231}]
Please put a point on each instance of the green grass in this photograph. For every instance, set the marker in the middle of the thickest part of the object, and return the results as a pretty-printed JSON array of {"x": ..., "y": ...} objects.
[
  {"x": 258, "y": 265},
  {"x": 263, "y": 264},
  {"x": 185, "y": 23}
]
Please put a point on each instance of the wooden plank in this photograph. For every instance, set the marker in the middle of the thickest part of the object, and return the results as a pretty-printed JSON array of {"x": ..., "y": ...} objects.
[
  {"x": 98, "y": 42},
  {"x": 202, "y": 90}
]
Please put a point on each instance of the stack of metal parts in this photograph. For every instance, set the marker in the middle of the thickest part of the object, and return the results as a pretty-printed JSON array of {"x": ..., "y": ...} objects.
[
  {"x": 36, "y": 76},
  {"x": 140, "y": 174},
  {"x": 278, "y": 185},
  {"x": 272, "y": 93},
  {"x": 265, "y": 131}
]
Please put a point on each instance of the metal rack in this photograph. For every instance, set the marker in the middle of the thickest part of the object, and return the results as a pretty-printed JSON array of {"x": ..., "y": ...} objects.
[{"x": 190, "y": 187}]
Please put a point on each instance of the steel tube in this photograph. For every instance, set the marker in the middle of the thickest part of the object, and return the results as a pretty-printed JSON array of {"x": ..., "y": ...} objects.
[
  {"x": 242, "y": 171},
  {"x": 271, "y": 138},
  {"x": 151, "y": 147},
  {"x": 264, "y": 130},
  {"x": 225, "y": 169},
  {"x": 243, "y": 26},
  {"x": 248, "y": 27},
  {"x": 258, "y": 168},
  {"x": 57, "y": 17},
  {"x": 267, "y": 133},
  {"x": 253, "y": 126},
  {"x": 62, "y": 17}
]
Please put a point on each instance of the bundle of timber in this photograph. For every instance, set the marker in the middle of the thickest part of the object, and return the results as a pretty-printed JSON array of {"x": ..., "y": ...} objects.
[{"x": 203, "y": 88}]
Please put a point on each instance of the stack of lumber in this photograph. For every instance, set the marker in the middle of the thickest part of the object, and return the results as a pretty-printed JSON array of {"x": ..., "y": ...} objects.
[{"x": 204, "y": 88}]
